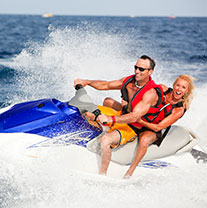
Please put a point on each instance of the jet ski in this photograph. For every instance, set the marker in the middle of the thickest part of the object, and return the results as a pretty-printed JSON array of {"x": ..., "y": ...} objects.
[
  {"x": 49, "y": 123},
  {"x": 51, "y": 118}
]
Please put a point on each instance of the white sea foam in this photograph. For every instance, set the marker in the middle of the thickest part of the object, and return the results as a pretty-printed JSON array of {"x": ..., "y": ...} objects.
[
  {"x": 44, "y": 184},
  {"x": 49, "y": 69}
]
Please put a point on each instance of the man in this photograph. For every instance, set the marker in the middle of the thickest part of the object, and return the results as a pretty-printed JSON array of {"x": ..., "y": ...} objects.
[{"x": 140, "y": 94}]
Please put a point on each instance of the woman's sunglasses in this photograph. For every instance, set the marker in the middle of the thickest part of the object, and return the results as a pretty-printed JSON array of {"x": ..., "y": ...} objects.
[{"x": 140, "y": 68}]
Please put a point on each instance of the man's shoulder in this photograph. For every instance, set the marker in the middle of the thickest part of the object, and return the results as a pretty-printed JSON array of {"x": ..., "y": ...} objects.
[
  {"x": 127, "y": 77},
  {"x": 150, "y": 94},
  {"x": 151, "y": 91},
  {"x": 123, "y": 78}
]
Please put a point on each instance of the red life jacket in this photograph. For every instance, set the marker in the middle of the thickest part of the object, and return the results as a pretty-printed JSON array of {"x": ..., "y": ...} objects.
[
  {"x": 154, "y": 110},
  {"x": 164, "y": 111}
]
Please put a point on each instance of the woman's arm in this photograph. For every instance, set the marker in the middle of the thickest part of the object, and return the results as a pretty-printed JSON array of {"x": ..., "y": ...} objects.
[{"x": 169, "y": 120}]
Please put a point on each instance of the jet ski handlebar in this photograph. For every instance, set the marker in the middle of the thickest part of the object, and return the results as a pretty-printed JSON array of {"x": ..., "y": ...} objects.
[{"x": 78, "y": 86}]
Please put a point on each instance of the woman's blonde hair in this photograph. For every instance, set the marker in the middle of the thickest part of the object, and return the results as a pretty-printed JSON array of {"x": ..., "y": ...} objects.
[{"x": 187, "y": 98}]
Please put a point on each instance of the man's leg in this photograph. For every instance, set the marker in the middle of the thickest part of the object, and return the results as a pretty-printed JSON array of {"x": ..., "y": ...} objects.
[
  {"x": 107, "y": 140},
  {"x": 145, "y": 138},
  {"x": 109, "y": 102}
]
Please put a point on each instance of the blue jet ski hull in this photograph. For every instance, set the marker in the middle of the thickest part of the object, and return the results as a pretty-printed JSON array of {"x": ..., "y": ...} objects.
[{"x": 47, "y": 117}]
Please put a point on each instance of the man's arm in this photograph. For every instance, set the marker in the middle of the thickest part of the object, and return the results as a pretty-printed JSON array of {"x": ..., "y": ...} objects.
[
  {"x": 149, "y": 99},
  {"x": 100, "y": 85}
]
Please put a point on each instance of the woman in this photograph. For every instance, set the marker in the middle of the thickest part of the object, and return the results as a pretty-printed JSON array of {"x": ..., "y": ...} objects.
[{"x": 177, "y": 100}]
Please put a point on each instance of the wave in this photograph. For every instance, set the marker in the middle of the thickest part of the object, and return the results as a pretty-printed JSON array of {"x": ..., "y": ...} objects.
[
  {"x": 6, "y": 54},
  {"x": 7, "y": 72},
  {"x": 48, "y": 69},
  {"x": 198, "y": 58},
  {"x": 8, "y": 78},
  {"x": 40, "y": 184},
  {"x": 8, "y": 192}
]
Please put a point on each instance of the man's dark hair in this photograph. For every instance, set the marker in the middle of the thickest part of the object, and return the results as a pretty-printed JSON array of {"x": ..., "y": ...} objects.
[{"x": 152, "y": 62}]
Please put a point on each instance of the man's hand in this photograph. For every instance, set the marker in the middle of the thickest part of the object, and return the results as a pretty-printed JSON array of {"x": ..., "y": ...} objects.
[
  {"x": 89, "y": 115},
  {"x": 104, "y": 119},
  {"x": 83, "y": 82}
]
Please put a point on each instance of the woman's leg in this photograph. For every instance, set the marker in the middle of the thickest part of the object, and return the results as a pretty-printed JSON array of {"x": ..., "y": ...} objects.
[{"x": 145, "y": 138}]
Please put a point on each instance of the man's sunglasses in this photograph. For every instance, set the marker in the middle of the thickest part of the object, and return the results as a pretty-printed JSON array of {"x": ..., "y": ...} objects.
[{"x": 140, "y": 68}]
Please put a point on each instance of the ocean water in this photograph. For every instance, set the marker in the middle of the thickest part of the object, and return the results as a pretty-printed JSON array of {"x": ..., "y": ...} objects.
[{"x": 40, "y": 58}]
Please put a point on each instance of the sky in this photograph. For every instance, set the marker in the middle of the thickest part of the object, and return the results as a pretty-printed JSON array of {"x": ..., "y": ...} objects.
[{"x": 106, "y": 7}]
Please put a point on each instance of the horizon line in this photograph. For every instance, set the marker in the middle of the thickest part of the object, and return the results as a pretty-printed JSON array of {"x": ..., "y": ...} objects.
[{"x": 102, "y": 15}]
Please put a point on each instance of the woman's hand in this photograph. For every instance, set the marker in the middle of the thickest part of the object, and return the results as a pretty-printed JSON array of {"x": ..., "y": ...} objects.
[
  {"x": 124, "y": 102},
  {"x": 140, "y": 121}
]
